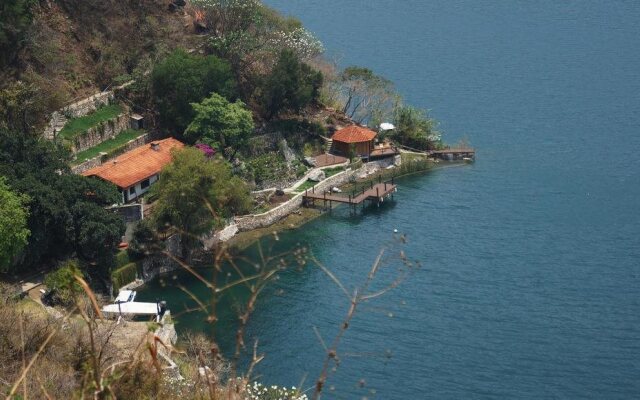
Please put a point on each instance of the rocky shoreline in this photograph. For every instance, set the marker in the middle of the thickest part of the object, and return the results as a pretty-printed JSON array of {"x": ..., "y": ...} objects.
[{"x": 246, "y": 230}]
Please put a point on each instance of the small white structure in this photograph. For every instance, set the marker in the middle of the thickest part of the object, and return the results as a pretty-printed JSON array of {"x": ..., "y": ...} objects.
[
  {"x": 386, "y": 126},
  {"x": 124, "y": 304},
  {"x": 125, "y": 296},
  {"x": 132, "y": 308}
]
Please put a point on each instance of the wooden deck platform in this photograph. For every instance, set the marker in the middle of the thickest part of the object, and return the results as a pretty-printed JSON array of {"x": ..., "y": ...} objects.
[
  {"x": 324, "y": 160},
  {"x": 454, "y": 153},
  {"x": 376, "y": 192}
]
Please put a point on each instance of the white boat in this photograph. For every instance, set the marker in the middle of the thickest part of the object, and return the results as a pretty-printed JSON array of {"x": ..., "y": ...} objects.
[
  {"x": 125, "y": 304},
  {"x": 132, "y": 307}
]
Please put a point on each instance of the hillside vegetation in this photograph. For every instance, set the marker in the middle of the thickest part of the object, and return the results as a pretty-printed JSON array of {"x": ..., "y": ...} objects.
[{"x": 233, "y": 77}]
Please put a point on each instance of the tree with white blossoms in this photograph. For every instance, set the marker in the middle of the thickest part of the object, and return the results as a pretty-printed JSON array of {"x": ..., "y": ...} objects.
[
  {"x": 302, "y": 42},
  {"x": 226, "y": 16},
  {"x": 367, "y": 97},
  {"x": 251, "y": 36}
]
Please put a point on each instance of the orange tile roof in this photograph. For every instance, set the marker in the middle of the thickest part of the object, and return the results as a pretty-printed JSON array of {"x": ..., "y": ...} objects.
[
  {"x": 138, "y": 164},
  {"x": 354, "y": 134}
]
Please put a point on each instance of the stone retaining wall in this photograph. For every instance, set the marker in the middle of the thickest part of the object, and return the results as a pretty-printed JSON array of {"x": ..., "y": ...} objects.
[
  {"x": 100, "y": 159},
  {"x": 104, "y": 131},
  {"x": 249, "y": 222},
  {"x": 311, "y": 172},
  {"x": 88, "y": 105},
  {"x": 80, "y": 109},
  {"x": 214, "y": 237}
]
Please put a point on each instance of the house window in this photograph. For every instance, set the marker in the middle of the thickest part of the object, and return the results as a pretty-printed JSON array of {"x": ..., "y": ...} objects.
[
  {"x": 132, "y": 190},
  {"x": 144, "y": 184}
]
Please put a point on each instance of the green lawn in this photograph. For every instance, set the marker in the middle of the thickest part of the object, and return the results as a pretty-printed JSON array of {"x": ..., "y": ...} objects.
[
  {"x": 76, "y": 126},
  {"x": 108, "y": 145},
  {"x": 306, "y": 185},
  {"x": 332, "y": 171}
]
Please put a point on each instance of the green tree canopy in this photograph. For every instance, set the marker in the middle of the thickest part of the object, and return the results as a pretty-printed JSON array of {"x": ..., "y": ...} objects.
[
  {"x": 182, "y": 79},
  {"x": 414, "y": 128},
  {"x": 195, "y": 194},
  {"x": 291, "y": 86},
  {"x": 13, "y": 224},
  {"x": 97, "y": 233},
  {"x": 220, "y": 123},
  {"x": 38, "y": 168}
]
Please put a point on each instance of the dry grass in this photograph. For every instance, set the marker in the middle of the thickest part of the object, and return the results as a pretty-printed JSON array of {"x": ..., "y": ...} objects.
[{"x": 80, "y": 355}]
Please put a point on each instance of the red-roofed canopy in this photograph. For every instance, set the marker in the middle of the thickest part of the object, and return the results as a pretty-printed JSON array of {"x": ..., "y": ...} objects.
[{"x": 354, "y": 134}]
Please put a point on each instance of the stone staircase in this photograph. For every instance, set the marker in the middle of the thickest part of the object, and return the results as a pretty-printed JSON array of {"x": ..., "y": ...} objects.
[
  {"x": 328, "y": 142},
  {"x": 56, "y": 123}
]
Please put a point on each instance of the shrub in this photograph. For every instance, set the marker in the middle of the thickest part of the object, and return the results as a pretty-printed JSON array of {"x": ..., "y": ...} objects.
[
  {"x": 63, "y": 283},
  {"x": 144, "y": 241},
  {"x": 221, "y": 124},
  {"x": 124, "y": 275},
  {"x": 122, "y": 258},
  {"x": 182, "y": 79},
  {"x": 267, "y": 167},
  {"x": 291, "y": 86},
  {"x": 414, "y": 128}
]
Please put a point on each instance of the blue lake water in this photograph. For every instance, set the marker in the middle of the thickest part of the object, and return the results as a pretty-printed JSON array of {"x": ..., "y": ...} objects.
[{"x": 531, "y": 256}]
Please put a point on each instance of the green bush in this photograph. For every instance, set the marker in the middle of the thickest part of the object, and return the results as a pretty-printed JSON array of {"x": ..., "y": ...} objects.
[
  {"x": 122, "y": 258},
  {"x": 64, "y": 283},
  {"x": 267, "y": 167},
  {"x": 124, "y": 275},
  {"x": 182, "y": 79},
  {"x": 291, "y": 86},
  {"x": 220, "y": 123},
  {"x": 414, "y": 128}
]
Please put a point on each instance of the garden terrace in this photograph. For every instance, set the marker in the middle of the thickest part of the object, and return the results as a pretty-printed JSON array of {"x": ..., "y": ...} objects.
[
  {"x": 111, "y": 146},
  {"x": 79, "y": 125}
]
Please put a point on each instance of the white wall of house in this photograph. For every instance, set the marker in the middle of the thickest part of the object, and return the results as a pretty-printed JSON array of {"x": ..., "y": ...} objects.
[{"x": 133, "y": 192}]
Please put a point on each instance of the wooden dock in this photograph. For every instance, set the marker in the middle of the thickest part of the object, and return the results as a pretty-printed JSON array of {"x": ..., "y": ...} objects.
[
  {"x": 454, "y": 154},
  {"x": 375, "y": 192}
]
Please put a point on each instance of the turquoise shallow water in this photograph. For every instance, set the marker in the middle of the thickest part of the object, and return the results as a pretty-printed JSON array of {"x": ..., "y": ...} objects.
[{"x": 531, "y": 255}]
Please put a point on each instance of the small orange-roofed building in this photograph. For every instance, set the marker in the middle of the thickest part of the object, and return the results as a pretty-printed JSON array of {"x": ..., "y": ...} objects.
[
  {"x": 354, "y": 138},
  {"x": 135, "y": 171}
]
